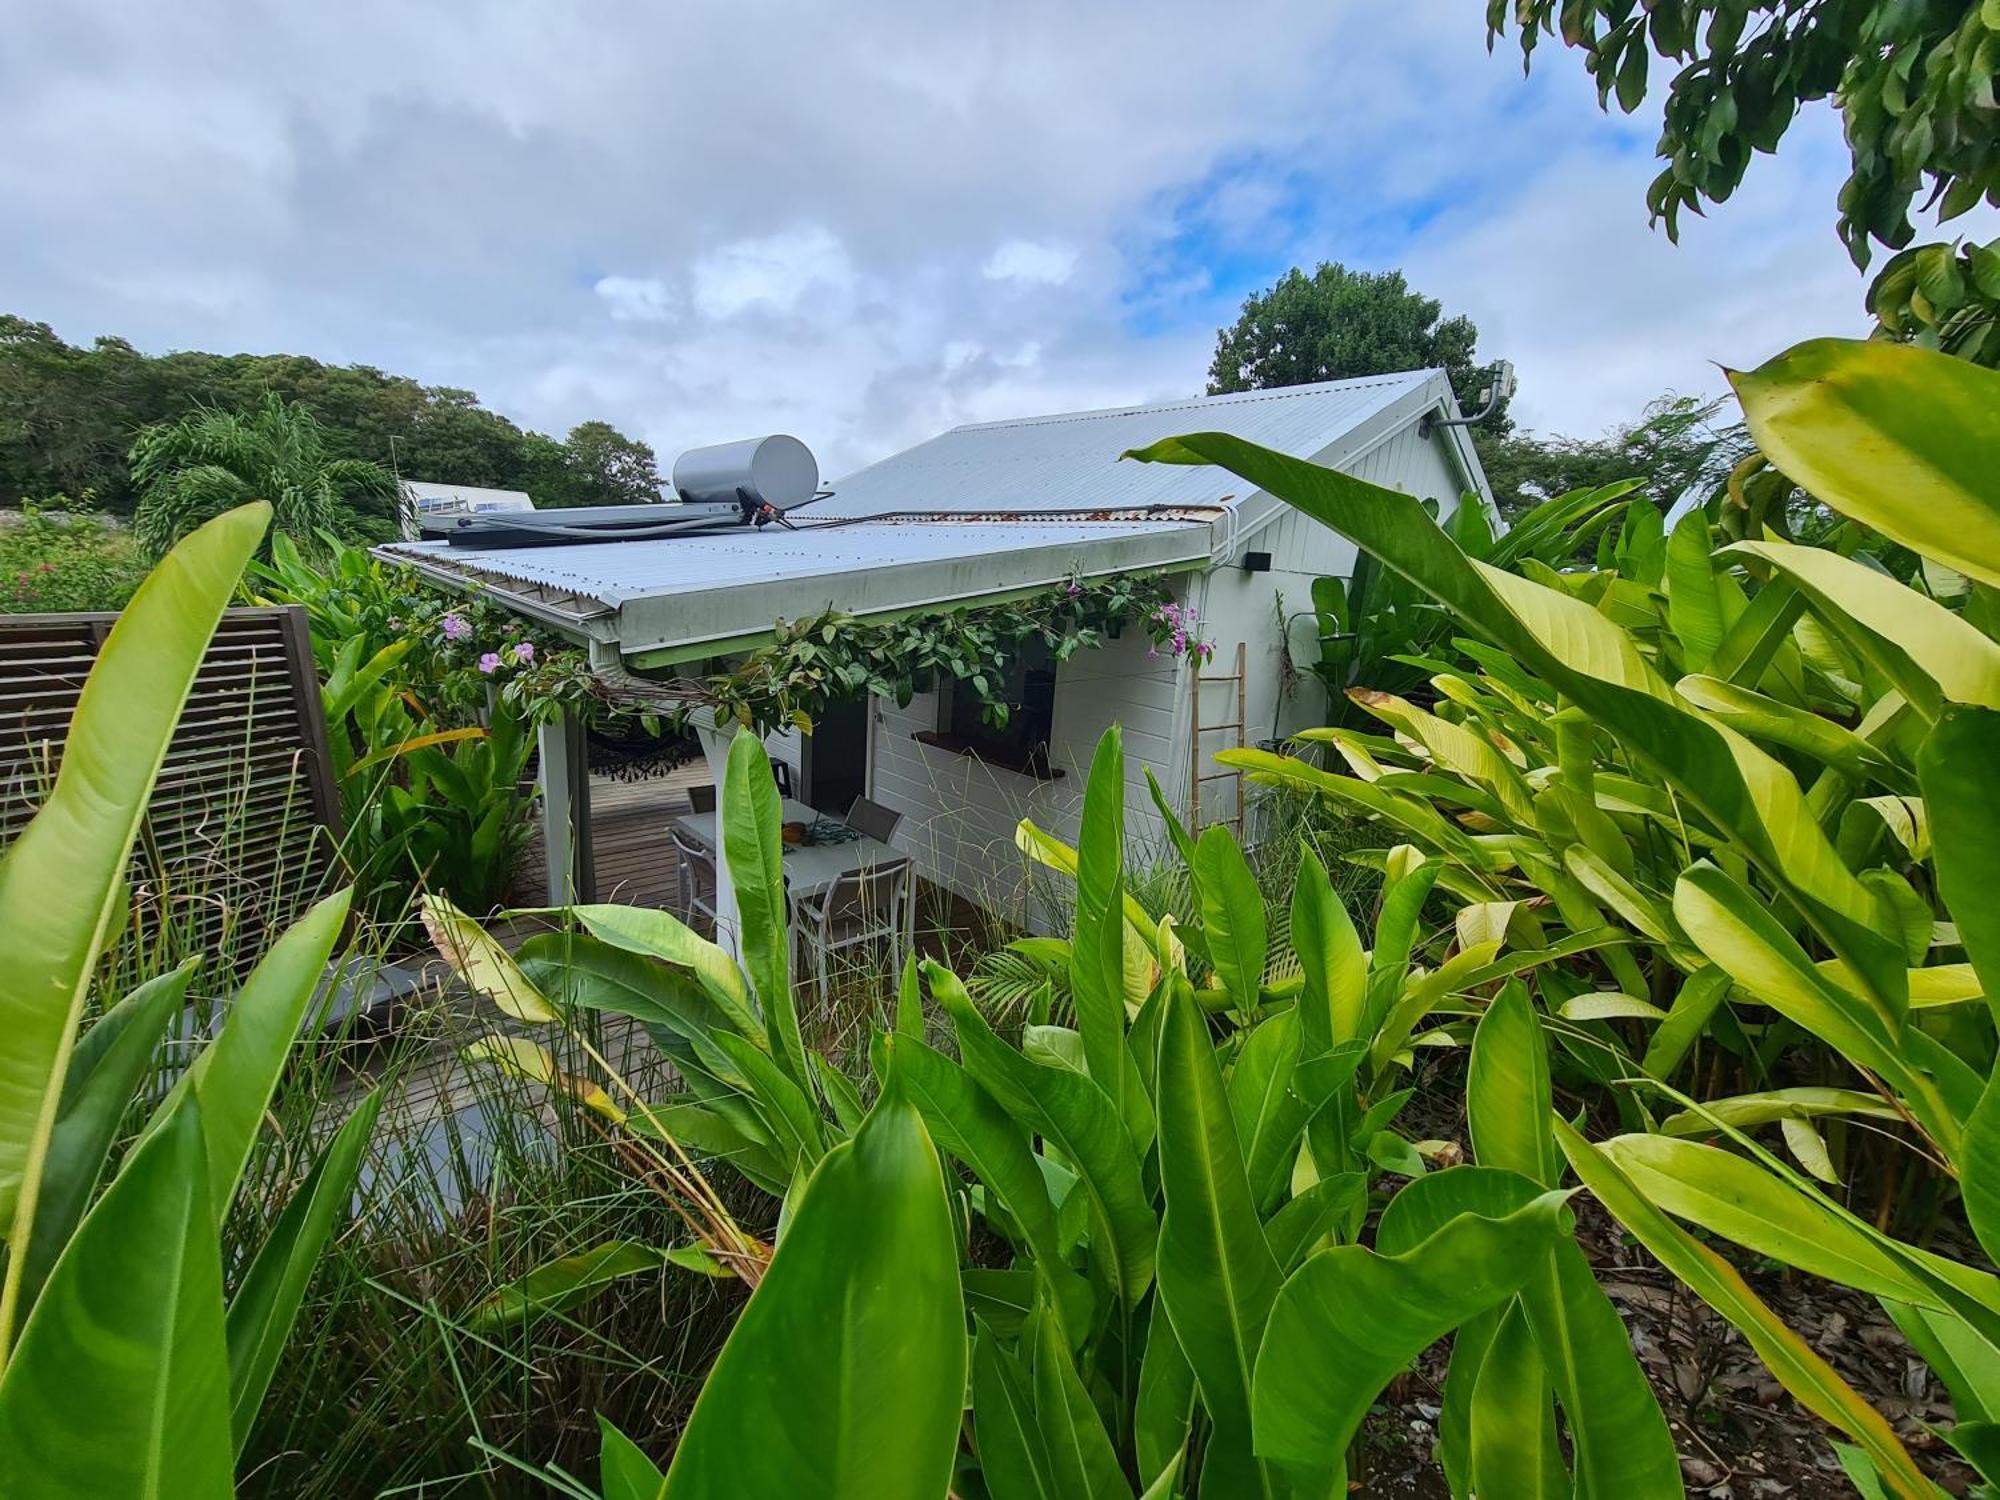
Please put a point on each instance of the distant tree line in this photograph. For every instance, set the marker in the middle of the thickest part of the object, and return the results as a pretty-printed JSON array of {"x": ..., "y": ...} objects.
[{"x": 69, "y": 416}]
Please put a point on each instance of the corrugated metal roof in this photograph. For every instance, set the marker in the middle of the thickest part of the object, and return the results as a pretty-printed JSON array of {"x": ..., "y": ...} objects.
[
  {"x": 1070, "y": 461},
  {"x": 653, "y": 595}
]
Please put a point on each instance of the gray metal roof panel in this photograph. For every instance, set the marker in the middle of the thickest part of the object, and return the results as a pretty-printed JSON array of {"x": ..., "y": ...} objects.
[{"x": 1071, "y": 461}]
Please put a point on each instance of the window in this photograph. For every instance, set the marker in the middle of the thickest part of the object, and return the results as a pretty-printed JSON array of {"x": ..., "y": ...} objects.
[{"x": 1022, "y": 744}]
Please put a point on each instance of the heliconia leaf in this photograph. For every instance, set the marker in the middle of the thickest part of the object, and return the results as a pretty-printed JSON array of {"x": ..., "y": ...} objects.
[
  {"x": 752, "y": 845},
  {"x": 1955, "y": 768},
  {"x": 1014, "y": 1459},
  {"x": 483, "y": 964},
  {"x": 1331, "y": 958},
  {"x": 1232, "y": 914},
  {"x": 1081, "y": 1457},
  {"x": 1216, "y": 1273},
  {"x": 1738, "y": 934},
  {"x": 1079, "y": 1119},
  {"x": 120, "y": 1382},
  {"x": 1605, "y": 1006},
  {"x": 1694, "y": 604},
  {"x": 1701, "y": 995},
  {"x": 62, "y": 880},
  {"x": 1163, "y": 1417},
  {"x": 1349, "y": 1319},
  {"x": 1270, "y": 1115},
  {"x": 845, "y": 1375},
  {"x": 1767, "y": 719},
  {"x": 623, "y": 1471},
  {"x": 1513, "y": 1426},
  {"x": 261, "y": 1313},
  {"x": 1963, "y": 663},
  {"x": 1097, "y": 967},
  {"x": 661, "y": 935},
  {"x": 562, "y": 1284},
  {"x": 105, "y": 1070},
  {"x": 967, "y": 1122},
  {"x": 1585, "y": 656},
  {"x": 1797, "y": 1367},
  {"x": 1902, "y": 439},
  {"x": 1746, "y": 1111},
  {"x": 1507, "y": 1090}
]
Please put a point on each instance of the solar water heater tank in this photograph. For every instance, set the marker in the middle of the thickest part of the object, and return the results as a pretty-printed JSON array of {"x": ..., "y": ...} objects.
[{"x": 778, "y": 471}]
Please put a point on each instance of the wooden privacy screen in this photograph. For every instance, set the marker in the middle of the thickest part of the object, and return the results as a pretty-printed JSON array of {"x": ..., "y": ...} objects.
[{"x": 236, "y": 839}]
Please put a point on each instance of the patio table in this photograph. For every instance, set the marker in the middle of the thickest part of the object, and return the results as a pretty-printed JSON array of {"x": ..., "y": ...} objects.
[{"x": 810, "y": 869}]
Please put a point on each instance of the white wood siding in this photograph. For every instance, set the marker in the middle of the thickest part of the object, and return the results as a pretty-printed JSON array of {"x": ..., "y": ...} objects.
[{"x": 959, "y": 813}]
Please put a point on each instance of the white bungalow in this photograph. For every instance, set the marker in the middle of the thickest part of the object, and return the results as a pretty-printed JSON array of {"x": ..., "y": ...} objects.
[{"x": 977, "y": 514}]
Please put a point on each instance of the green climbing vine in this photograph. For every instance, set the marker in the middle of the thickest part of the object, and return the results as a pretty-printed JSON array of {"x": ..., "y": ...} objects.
[{"x": 816, "y": 661}]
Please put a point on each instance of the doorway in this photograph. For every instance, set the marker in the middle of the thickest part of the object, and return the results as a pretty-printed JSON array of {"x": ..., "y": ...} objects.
[{"x": 833, "y": 759}]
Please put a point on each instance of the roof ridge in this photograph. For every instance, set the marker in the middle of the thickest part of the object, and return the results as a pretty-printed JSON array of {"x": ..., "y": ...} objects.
[{"x": 1192, "y": 403}]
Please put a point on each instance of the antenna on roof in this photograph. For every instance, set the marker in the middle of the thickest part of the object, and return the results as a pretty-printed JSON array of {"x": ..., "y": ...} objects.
[{"x": 1496, "y": 391}]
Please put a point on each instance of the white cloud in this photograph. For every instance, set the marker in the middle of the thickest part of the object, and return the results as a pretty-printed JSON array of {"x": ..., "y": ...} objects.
[
  {"x": 771, "y": 274},
  {"x": 925, "y": 215},
  {"x": 637, "y": 299},
  {"x": 1031, "y": 262}
]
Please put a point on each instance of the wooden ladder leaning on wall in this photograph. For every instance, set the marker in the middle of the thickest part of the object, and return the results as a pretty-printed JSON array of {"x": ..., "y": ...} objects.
[{"x": 1199, "y": 747}]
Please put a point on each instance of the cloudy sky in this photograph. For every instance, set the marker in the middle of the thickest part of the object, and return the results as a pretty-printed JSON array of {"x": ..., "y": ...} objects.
[{"x": 860, "y": 224}]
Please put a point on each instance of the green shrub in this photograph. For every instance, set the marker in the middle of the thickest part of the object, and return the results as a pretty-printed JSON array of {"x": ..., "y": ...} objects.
[{"x": 59, "y": 556}]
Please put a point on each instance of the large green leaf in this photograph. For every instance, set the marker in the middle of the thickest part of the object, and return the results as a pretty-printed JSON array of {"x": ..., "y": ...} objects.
[
  {"x": 119, "y": 1385},
  {"x": 1507, "y": 1090},
  {"x": 1232, "y": 914},
  {"x": 105, "y": 1071},
  {"x": 1216, "y": 1273},
  {"x": 661, "y": 935},
  {"x": 966, "y": 1121},
  {"x": 624, "y": 1471},
  {"x": 236, "y": 1075},
  {"x": 751, "y": 842},
  {"x": 1797, "y": 1367},
  {"x": 1349, "y": 1319},
  {"x": 262, "y": 1311},
  {"x": 62, "y": 880},
  {"x": 1903, "y": 439},
  {"x": 1331, "y": 958},
  {"x": 1014, "y": 1458},
  {"x": 1739, "y": 935},
  {"x": 1513, "y": 1429},
  {"x": 1082, "y": 1460},
  {"x": 1736, "y": 786},
  {"x": 1956, "y": 767},
  {"x": 1079, "y": 1119},
  {"x": 1694, "y": 604},
  {"x": 1097, "y": 967},
  {"x": 845, "y": 1375},
  {"x": 1954, "y": 655}
]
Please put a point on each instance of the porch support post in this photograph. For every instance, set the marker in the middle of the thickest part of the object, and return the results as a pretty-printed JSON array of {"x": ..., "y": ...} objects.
[
  {"x": 715, "y": 741},
  {"x": 565, "y": 782}
]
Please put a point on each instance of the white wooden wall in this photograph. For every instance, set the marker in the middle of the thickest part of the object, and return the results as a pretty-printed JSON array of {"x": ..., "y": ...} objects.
[{"x": 959, "y": 813}]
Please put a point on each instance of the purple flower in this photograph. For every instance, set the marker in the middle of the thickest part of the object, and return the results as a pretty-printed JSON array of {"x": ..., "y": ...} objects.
[
  {"x": 490, "y": 662},
  {"x": 455, "y": 627},
  {"x": 525, "y": 652}
]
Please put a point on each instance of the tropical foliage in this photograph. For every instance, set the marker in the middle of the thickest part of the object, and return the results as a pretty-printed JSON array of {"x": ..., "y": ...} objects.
[
  {"x": 68, "y": 414},
  {"x": 1762, "y": 768},
  {"x": 211, "y": 461},
  {"x": 60, "y": 555},
  {"x": 132, "y": 1358}
]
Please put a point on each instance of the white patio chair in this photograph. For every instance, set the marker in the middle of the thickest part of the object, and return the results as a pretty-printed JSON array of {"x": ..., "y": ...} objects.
[
  {"x": 695, "y": 872},
  {"x": 861, "y": 908}
]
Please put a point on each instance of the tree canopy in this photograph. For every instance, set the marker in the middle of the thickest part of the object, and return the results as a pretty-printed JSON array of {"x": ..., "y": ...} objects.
[
  {"x": 1336, "y": 324},
  {"x": 1680, "y": 445},
  {"x": 209, "y": 461},
  {"x": 69, "y": 415}
]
